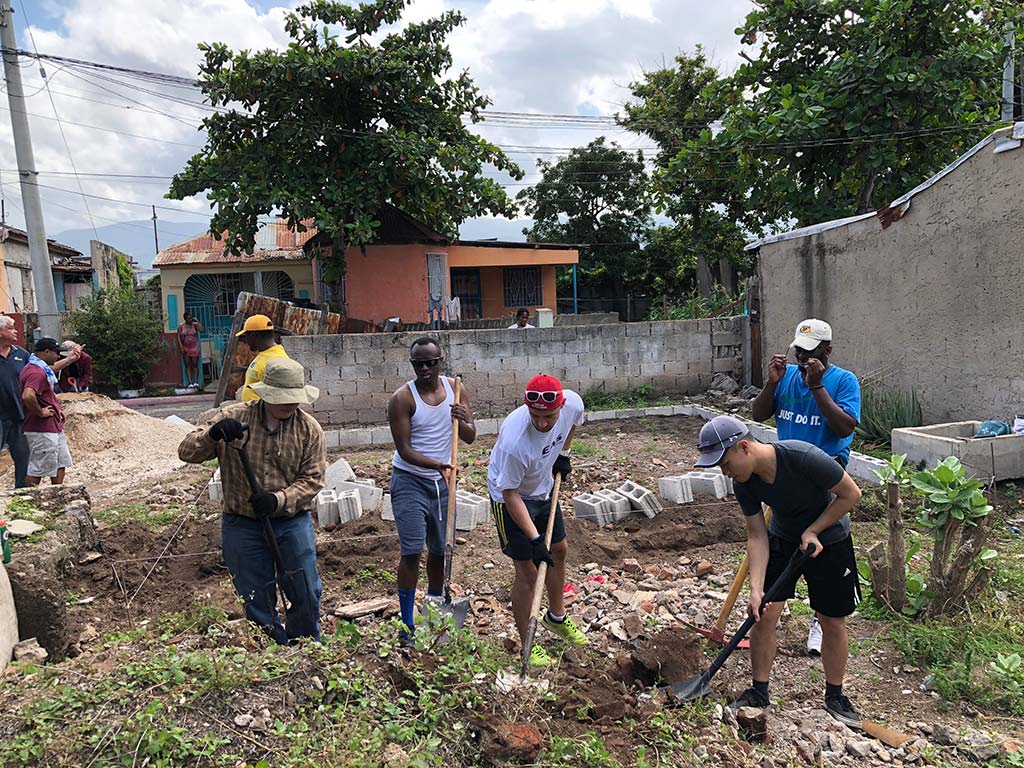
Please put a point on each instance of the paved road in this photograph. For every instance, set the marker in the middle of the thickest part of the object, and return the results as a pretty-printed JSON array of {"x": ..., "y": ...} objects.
[{"x": 186, "y": 406}]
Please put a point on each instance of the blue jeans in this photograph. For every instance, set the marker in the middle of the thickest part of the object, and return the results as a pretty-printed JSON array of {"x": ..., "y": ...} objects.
[
  {"x": 13, "y": 439},
  {"x": 251, "y": 565}
]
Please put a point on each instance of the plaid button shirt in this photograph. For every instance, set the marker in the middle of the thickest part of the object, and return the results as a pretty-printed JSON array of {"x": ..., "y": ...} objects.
[{"x": 290, "y": 462}]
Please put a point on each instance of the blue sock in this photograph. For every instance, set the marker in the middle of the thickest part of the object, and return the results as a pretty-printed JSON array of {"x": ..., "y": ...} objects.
[
  {"x": 407, "y": 605},
  {"x": 434, "y": 592}
]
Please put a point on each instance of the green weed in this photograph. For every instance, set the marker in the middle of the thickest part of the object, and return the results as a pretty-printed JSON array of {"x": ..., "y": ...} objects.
[
  {"x": 588, "y": 751},
  {"x": 583, "y": 448},
  {"x": 139, "y": 512}
]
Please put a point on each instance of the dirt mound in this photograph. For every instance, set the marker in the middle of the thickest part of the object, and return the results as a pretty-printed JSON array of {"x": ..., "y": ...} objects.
[
  {"x": 115, "y": 449},
  {"x": 671, "y": 656}
]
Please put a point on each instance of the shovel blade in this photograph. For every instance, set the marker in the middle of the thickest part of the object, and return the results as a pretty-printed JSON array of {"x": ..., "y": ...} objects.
[
  {"x": 689, "y": 690},
  {"x": 458, "y": 609}
]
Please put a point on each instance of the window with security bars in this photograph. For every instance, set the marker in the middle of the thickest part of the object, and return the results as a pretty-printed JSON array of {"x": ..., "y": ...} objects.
[{"x": 523, "y": 287}]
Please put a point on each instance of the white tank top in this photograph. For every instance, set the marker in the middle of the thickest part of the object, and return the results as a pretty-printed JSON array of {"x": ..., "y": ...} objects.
[{"x": 431, "y": 431}]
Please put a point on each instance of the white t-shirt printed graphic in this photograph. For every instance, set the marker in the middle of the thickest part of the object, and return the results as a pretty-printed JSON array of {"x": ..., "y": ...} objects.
[{"x": 522, "y": 457}]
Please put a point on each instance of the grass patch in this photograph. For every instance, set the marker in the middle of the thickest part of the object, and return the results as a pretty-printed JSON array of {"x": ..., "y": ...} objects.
[
  {"x": 881, "y": 451},
  {"x": 139, "y": 512},
  {"x": 379, "y": 576},
  {"x": 641, "y": 397},
  {"x": 583, "y": 448}
]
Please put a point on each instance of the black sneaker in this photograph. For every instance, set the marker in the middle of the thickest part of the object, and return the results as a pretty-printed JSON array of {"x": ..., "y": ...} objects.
[
  {"x": 751, "y": 698},
  {"x": 405, "y": 639},
  {"x": 842, "y": 710}
]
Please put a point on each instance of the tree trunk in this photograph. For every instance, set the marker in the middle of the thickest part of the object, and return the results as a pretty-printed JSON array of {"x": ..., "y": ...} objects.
[
  {"x": 727, "y": 274},
  {"x": 866, "y": 193},
  {"x": 880, "y": 574},
  {"x": 703, "y": 277},
  {"x": 897, "y": 558},
  {"x": 949, "y": 593}
]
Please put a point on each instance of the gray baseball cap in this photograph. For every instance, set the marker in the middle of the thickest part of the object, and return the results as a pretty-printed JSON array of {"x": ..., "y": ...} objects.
[{"x": 718, "y": 436}]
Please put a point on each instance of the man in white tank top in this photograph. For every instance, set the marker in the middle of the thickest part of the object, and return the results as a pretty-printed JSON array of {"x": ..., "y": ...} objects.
[{"x": 420, "y": 414}]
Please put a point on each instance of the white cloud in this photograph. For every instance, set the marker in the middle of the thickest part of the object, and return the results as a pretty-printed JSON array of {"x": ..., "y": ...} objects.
[{"x": 568, "y": 57}]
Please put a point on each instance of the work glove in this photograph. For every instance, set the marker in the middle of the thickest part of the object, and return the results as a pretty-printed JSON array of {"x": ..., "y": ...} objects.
[
  {"x": 264, "y": 504},
  {"x": 562, "y": 466},
  {"x": 539, "y": 552},
  {"x": 227, "y": 430}
]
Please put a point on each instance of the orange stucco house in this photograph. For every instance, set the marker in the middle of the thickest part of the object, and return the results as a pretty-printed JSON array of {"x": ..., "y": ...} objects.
[{"x": 410, "y": 272}]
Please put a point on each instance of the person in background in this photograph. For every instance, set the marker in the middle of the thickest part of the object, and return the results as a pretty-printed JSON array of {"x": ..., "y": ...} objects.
[
  {"x": 76, "y": 376},
  {"x": 522, "y": 319},
  {"x": 44, "y": 421},
  {"x": 263, "y": 339},
  {"x": 12, "y": 413},
  {"x": 188, "y": 344}
]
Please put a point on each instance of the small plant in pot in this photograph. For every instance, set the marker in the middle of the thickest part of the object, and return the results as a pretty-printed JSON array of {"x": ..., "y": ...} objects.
[{"x": 120, "y": 332}]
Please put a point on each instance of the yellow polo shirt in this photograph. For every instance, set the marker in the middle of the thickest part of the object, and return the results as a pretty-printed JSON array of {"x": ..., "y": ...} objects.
[{"x": 256, "y": 369}]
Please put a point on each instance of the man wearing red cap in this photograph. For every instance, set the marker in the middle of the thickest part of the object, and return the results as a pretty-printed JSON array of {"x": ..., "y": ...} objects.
[{"x": 533, "y": 445}]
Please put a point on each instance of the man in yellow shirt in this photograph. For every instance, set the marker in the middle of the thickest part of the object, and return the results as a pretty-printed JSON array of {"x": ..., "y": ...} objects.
[{"x": 258, "y": 333}]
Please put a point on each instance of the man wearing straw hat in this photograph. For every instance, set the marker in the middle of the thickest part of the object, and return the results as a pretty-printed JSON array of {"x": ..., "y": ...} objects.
[{"x": 286, "y": 448}]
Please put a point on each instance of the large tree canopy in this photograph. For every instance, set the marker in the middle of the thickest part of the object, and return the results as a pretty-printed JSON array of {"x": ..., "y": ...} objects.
[
  {"x": 335, "y": 126},
  {"x": 600, "y": 196},
  {"x": 850, "y": 103}
]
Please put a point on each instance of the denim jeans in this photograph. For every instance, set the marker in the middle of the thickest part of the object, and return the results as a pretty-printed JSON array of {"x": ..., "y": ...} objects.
[
  {"x": 13, "y": 439},
  {"x": 251, "y": 565}
]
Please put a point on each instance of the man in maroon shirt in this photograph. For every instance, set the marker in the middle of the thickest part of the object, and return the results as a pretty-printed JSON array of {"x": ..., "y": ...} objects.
[{"x": 44, "y": 422}]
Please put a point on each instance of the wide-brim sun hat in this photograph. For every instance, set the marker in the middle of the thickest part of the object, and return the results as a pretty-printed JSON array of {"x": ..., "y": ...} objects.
[{"x": 284, "y": 383}]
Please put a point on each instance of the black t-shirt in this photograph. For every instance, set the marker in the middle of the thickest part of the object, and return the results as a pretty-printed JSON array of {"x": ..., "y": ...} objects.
[
  {"x": 804, "y": 478},
  {"x": 10, "y": 389}
]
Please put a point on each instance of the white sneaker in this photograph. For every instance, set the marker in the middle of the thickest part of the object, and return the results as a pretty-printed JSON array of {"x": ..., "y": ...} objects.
[{"x": 814, "y": 638}]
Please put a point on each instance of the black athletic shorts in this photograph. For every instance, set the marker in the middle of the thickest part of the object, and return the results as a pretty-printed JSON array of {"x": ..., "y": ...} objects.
[
  {"x": 512, "y": 540},
  {"x": 832, "y": 581}
]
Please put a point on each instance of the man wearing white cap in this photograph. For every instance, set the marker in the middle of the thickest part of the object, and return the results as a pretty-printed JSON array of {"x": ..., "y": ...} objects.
[
  {"x": 286, "y": 448},
  {"x": 813, "y": 401}
]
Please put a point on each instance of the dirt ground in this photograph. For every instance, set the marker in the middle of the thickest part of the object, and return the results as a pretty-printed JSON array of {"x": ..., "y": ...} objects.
[{"x": 129, "y": 586}]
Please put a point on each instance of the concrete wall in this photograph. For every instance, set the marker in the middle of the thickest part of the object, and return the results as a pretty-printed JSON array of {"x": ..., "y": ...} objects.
[
  {"x": 18, "y": 292},
  {"x": 935, "y": 301},
  {"x": 357, "y": 373},
  {"x": 388, "y": 281},
  {"x": 104, "y": 264}
]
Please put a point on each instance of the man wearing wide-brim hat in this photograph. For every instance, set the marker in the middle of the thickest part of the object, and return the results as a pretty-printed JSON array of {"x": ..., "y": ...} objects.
[{"x": 286, "y": 448}]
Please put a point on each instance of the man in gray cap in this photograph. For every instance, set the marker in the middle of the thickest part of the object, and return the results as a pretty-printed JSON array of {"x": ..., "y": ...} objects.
[{"x": 811, "y": 496}]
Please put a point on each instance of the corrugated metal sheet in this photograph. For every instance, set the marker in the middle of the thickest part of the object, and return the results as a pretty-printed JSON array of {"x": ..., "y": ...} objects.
[{"x": 277, "y": 242}]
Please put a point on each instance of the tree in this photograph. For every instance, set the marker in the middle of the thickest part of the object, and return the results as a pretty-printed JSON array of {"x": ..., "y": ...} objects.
[
  {"x": 600, "y": 196},
  {"x": 851, "y": 104},
  {"x": 698, "y": 189},
  {"x": 333, "y": 127},
  {"x": 121, "y": 334}
]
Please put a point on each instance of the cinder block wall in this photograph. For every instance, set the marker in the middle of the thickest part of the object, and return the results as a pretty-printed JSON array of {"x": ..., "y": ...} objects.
[{"x": 357, "y": 373}]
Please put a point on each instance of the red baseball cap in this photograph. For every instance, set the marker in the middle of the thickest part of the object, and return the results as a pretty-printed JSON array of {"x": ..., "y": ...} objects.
[{"x": 544, "y": 393}]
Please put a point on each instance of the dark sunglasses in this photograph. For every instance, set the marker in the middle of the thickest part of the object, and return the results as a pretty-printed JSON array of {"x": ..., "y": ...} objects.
[
  {"x": 547, "y": 397},
  {"x": 430, "y": 363}
]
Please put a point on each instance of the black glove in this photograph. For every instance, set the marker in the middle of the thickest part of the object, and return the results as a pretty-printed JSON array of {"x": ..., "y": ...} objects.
[
  {"x": 227, "y": 430},
  {"x": 539, "y": 552},
  {"x": 562, "y": 466},
  {"x": 264, "y": 504}
]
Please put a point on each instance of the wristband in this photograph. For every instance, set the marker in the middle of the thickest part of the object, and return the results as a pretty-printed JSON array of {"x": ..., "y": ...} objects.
[
  {"x": 820, "y": 386},
  {"x": 565, "y": 453},
  {"x": 536, "y": 538}
]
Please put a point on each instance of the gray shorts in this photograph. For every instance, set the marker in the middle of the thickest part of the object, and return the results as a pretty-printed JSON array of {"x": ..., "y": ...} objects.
[
  {"x": 420, "y": 506},
  {"x": 47, "y": 452}
]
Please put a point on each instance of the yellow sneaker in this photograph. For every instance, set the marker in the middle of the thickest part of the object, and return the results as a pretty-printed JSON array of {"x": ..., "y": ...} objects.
[
  {"x": 566, "y": 630},
  {"x": 540, "y": 658}
]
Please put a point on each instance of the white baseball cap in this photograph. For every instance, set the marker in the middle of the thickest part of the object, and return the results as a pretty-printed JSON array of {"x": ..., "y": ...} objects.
[{"x": 810, "y": 333}]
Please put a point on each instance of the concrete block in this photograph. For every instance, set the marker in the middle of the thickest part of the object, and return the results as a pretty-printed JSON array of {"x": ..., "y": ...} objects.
[
  {"x": 487, "y": 426},
  {"x": 620, "y": 504},
  {"x": 386, "y": 512},
  {"x": 214, "y": 487},
  {"x": 708, "y": 484},
  {"x": 675, "y": 489},
  {"x": 349, "y": 506},
  {"x": 327, "y": 508},
  {"x": 659, "y": 410},
  {"x": 641, "y": 498},
  {"x": 354, "y": 438},
  {"x": 338, "y": 472},
  {"x": 8, "y": 619},
  {"x": 728, "y": 480},
  {"x": 381, "y": 436},
  {"x": 1001, "y": 458},
  {"x": 589, "y": 506},
  {"x": 371, "y": 496},
  {"x": 331, "y": 438},
  {"x": 470, "y": 510},
  {"x": 601, "y": 415}
]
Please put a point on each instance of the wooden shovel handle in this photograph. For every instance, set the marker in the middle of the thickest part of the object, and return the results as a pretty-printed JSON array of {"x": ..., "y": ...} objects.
[
  {"x": 737, "y": 585},
  {"x": 542, "y": 569},
  {"x": 452, "y": 478}
]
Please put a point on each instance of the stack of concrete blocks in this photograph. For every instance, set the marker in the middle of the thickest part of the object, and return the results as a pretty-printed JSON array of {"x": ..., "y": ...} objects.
[
  {"x": 350, "y": 506},
  {"x": 371, "y": 497},
  {"x": 705, "y": 483},
  {"x": 338, "y": 472},
  {"x": 621, "y": 506},
  {"x": 471, "y": 510},
  {"x": 728, "y": 480},
  {"x": 675, "y": 489},
  {"x": 640, "y": 498},
  {"x": 215, "y": 489},
  {"x": 327, "y": 508}
]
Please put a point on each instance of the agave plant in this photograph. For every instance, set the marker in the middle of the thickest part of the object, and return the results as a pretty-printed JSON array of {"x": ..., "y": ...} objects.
[{"x": 883, "y": 410}]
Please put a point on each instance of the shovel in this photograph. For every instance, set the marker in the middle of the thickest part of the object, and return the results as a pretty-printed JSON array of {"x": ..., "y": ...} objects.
[
  {"x": 699, "y": 686},
  {"x": 538, "y": 587},
  {"x": 459, "y": 607},
  {"x": 291, "y": 583}
]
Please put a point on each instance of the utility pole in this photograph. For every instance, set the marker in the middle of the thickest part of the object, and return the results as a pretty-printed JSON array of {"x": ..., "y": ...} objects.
[
  {"x": 1008, "y": 77},
  {"x": 39, "y": 253},
  {"x": 156, "y": 240}
]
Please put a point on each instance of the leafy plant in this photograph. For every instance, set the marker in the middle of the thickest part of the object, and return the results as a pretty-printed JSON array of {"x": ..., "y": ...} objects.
[
  {"x": 950, "y": 497},
  {"x": 896, "y": 470},
  {"x": 883, "y": 410},
  {"x": 588, "y": 751},
  {"x": 1008, "y": 672},
  {"x": 120, "y": 332},
  {"x": 695, "y": 305}
]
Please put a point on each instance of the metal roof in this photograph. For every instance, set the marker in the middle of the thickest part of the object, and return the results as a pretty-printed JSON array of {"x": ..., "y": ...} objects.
[
  {"x": 53, "y": 246},
  {"x": 895, "y": 210}
]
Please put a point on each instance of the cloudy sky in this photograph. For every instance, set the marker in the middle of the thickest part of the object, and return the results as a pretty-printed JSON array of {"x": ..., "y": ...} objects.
[{"x": 571, "y": 57}]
